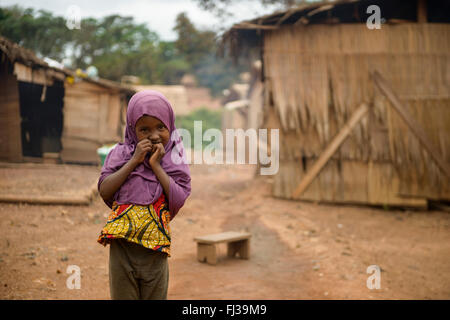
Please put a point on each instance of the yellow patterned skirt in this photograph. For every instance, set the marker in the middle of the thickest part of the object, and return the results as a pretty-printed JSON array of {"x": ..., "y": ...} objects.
[{"x": 144, "y": 225}]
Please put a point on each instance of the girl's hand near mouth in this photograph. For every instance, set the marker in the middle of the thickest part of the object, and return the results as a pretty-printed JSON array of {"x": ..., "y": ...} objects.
[
  {"x": 142, "y": 148},
  {"x": 157, "y": 154},
  {"x": 155, "y": 163}
]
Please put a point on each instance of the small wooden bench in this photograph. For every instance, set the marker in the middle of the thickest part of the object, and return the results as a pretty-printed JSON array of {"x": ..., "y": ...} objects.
[{"x": 237, "y": 243}]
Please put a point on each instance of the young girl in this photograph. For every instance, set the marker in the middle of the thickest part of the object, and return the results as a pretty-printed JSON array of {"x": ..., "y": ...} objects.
[{"x": 145, "y": 188}]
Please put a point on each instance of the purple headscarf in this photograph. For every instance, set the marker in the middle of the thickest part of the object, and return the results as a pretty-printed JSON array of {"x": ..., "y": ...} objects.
[{"x": 142, "y": 186}]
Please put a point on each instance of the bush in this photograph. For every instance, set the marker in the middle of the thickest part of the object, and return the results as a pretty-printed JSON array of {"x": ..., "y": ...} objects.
[{"x": 210, "y": 119}]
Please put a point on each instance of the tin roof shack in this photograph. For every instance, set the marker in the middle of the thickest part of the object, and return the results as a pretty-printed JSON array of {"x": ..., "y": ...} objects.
[
  {"x": 349, "y": 134},
  {"x": 44, "y": 117}
]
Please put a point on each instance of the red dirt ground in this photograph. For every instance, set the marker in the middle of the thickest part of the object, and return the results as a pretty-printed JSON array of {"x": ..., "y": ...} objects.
[{"x": 299, "y": 250}]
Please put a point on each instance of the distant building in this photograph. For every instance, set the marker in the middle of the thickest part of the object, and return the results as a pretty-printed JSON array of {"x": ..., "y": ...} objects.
[
  {"x": 176, "y": 94},
  {"x": 185, "y": 97},
  {"x": 188, "y": 80}
]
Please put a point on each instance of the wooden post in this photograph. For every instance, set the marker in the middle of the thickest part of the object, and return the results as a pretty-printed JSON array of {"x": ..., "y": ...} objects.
[
  {"x": 412, "y": 124},
  {"x": 244, "y": 249},
  {"x": 330, "y": 150},
  {"x": 239, "y": 247},
  {"x": 422, "y": 13},
  {"x": 207, "y": 252}
]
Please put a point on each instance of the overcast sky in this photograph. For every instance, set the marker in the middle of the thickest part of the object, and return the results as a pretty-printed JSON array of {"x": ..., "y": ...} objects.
[{"x": 159, "y": 15}]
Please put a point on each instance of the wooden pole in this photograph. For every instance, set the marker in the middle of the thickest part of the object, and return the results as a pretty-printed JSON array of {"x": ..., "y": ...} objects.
[
  {"x": 422, "y": 14},
  {"x": 330, "y": 150},
  {"x": 247, "y": 25},
  {"x": 412, "y": 124},
  {"x": 84, "y": 199},
  {"x": 46, "y": 200}
]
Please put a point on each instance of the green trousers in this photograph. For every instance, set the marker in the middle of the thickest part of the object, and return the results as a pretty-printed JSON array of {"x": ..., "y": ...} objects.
[{"x": 136, "y": 272}]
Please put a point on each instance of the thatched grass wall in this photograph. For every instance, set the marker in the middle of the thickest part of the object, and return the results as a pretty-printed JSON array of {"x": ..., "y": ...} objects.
[{"x": 317, "y": 75}]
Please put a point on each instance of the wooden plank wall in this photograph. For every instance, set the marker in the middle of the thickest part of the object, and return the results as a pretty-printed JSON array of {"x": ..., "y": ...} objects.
[
  {"x": 91, "y": 118},
  {"x": 10, "y": 132}
]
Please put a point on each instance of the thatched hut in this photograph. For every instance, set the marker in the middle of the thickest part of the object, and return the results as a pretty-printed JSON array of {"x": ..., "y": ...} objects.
[
  {"x": 43, "y": 115},
  {"x": 350, "y": 100}
]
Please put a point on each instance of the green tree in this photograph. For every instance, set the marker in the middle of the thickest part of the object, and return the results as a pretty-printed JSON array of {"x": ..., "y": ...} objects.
[
  {"x": 116, "y": 45},
  {"x": 172, "y": 66},
  {"x": 210, "y": 119},
  {"x": 199, "y": 49},
  {"x": 39, "y": 31},
  {"x": 191, "y": 43},
  {"x": 220, "y": 7},
  {"x": 119, "y": 46},
  {"x": 111, "y": 38}
]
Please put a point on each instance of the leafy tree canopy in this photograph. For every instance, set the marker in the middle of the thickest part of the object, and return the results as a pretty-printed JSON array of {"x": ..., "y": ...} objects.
[
  {"x": 221, "y": 7},
  {"x": 119, "y": 46}
]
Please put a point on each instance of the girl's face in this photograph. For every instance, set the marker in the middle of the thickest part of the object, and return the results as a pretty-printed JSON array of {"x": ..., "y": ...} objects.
[{"x": 148, "y": 127}]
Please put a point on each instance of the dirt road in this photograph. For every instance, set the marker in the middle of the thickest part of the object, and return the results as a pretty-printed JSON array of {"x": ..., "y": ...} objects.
[{"x": 299, "y": 250}]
